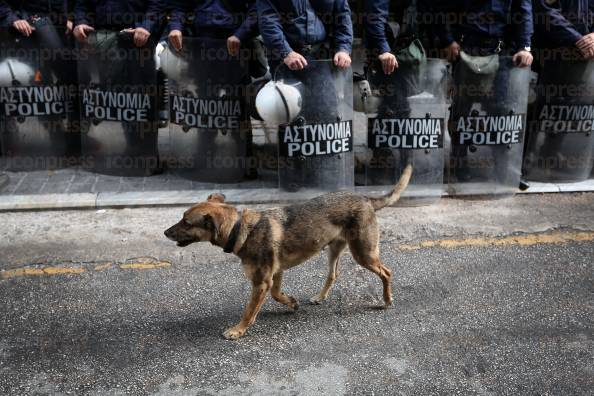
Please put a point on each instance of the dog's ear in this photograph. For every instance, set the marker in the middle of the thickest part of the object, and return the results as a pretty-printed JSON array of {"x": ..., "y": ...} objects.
[
  {"x": 216, "y": 197},
  {"x": 213, "y": 221}
]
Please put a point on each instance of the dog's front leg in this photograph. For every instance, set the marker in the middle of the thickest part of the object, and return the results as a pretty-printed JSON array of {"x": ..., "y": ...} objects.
[{"x": 259, "y": 291}]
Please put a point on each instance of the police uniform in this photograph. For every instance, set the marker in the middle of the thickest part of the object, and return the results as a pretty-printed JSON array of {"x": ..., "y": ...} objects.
[
  {"x": 215, "y": 18},
  {"x": 486, "y": 27},
  {"x": 120, "y": 14},
  {"x": 304, "y": 26},
  {"x": 561, "y": 23},
  {"x": 389, "y": 25}
]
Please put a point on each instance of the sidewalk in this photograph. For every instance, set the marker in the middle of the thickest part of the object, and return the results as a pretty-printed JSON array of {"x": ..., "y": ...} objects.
[{"x": 77, "y": 188}]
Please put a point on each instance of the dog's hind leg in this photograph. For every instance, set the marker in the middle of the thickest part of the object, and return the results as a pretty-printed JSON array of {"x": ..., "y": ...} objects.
[
  {"x": 335, "y": 249},
  {"x": 279, "y": 296},
  {"x": 367, "y": 256}
]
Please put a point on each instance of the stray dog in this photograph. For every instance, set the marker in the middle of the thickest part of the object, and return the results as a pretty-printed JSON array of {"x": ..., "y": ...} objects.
[{"x": 271, "y": 241}]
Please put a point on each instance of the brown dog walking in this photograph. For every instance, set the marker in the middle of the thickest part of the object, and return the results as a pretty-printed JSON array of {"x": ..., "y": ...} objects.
[{"x": 271, "y": 241}]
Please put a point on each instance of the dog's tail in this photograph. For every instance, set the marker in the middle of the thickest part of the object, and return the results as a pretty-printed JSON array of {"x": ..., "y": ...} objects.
[{"x": 394, "y": 196}]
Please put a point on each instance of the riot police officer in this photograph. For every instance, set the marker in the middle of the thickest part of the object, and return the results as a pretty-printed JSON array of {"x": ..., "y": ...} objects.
[
  {"x": 398, "y": 38},
  {"x": 480, "y": 38},
  {"x": 119, "y": 38},
  {"x": 297, "y": 33},
  {"x": 216, "y": 25},
  {"x": 558, "y": 147},
  {"x": 46, "y": 25}
]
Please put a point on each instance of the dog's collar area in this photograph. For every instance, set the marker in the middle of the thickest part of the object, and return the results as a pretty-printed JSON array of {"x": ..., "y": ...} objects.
[{"x": 233, "y": 235}]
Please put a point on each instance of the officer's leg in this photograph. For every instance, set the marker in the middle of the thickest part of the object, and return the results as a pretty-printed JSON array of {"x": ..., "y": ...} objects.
[
  {"x": 505, "y": 101},
  {"x": 461, "y": 107},
  {"x": 326, "y": 171},
  {"x": 141, "y": 137},
  {"x": 57, "y": 61}
]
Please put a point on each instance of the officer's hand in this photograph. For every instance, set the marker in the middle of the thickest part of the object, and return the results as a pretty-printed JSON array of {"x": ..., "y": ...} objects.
[
  {"x": 586, "y": 46},
  {"x": 389, "y": 62},
  {"x": 23, "y": 27},
  {"x": 69, "y": 26},
  {"x": 522, "y": 59},
  {"x": 452, "y": 51},
  {"x": 342, "y": 59},
  {"x": 81, "y": 33},
  {"x": 176, "y": 38},
  {"x": 295, "y": 61},
  {"x": 141, "y": 36},
  {"x": 233, "y": 44}
]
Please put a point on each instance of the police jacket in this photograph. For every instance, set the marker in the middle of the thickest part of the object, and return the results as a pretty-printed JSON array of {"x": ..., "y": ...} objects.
[
  {"x": 13, "y": 10},
  {"x": 119, "y": 14},
  {"x": 560, "y": 23},
  {"x": 289, "y": 25},
  {"x": 507, "y": 20},
  {"x": 230, "y": 17},
  {"x": 384, "y": 18}
]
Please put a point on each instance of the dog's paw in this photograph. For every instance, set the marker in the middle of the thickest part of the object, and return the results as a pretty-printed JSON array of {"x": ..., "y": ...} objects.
[
  {"x": 293, "y": 304},
  {"x": 234, "y": 333},
  {"x": 316, "y": 300}
]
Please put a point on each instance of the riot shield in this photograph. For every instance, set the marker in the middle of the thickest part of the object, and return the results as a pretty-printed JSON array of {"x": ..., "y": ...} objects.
[
  {"x": 38, "y": 100},
  {"x": 560, "y": 145},
  {"x": 316, "y": 145},
  {"x": 208, "y": 120},
  {"x": 118, "y": 105},
  {"x": 487, "y": 125},
  {"x": 409, "y": 127}
]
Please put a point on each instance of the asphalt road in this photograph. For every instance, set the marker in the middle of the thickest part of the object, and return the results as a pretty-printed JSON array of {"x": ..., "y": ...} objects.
[{"x": 498, "y": 304}]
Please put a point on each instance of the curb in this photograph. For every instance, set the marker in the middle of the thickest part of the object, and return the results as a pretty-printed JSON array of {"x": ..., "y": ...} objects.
[{"x": 235, "y": 196}]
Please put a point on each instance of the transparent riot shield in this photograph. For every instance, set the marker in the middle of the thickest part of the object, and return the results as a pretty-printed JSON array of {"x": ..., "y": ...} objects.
[
  {"x": 487, "y": 125},
  {"x": 38, "y": 100},
  {"x": 560, "y": 145},
  {"x": 316, "y": 145},
  {"x": 208, "y": 118},
  {"x": 118, "y": 99},
  {"x": 408, "y": 128}
]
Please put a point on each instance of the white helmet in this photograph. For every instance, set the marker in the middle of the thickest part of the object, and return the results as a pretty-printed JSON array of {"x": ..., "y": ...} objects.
[
  {"x": 15, "y": 72},
  {"x": 278, "y": 102},
  {"x": 364, "y": 100},
  {"x": 173, "y": 64},
  {"x": 160, "y": 49}
]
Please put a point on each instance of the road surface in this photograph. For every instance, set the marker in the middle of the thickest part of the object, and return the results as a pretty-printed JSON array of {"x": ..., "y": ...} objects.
[{"x": 490, "y": 298}]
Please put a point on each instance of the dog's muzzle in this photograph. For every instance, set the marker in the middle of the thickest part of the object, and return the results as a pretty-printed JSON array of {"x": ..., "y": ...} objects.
[{"x": 173, "y": 234}]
